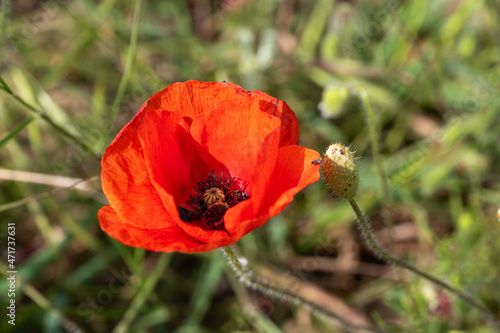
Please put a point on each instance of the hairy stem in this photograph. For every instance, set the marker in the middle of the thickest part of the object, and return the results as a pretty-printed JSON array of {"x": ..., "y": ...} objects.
[
  {"x": 365, "y": 227},
  {"x": 250, "y": 279}
]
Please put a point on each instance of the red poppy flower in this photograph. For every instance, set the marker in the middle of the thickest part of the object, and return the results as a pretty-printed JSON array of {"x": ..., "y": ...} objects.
[{"x": 201, "y": 165}]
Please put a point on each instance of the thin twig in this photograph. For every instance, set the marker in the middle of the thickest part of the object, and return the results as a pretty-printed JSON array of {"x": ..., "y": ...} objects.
[
  {"x": 46, "y": 179},
  {"x": 80, "y": 184}
]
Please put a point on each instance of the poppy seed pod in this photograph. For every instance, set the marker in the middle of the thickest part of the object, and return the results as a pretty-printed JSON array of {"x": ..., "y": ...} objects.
[{"x": 340, "y": 171}]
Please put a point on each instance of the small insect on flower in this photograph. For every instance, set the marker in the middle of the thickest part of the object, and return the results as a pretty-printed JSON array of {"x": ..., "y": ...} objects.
[{"x": 317, "y": 161}]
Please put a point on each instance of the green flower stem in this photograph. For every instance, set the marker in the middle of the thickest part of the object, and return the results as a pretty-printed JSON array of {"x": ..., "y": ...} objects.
[
  {"x": 372, "y": 127},
  {"x": 250, "y": 279},
  {"x": 377, "y": 249}
]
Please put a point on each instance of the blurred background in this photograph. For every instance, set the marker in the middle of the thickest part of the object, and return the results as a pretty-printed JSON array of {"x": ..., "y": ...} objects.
[{"x": 74, "y": 72}]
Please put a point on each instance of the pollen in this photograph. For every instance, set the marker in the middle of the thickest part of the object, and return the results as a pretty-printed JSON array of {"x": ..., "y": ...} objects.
[{"x": 213, "y": 195}]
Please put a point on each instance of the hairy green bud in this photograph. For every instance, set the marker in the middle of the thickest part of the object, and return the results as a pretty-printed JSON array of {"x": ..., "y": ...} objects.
[{"x": 340, "y": 171}]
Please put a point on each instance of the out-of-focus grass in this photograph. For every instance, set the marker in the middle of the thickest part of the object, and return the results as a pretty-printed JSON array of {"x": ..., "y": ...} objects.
[{"x": 431, "y": 72}]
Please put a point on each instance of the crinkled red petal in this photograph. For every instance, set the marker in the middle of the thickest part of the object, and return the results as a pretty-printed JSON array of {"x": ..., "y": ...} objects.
[
  {"x": 293, "y": 171},
  {"x": 244, "y": 140},
  {"x": 234, "y": 133},
  {"x": 167, "y": 239},
  {"x": 191, "y": 98},
  {"x": 126, "y": 181},
  {"x": 289, "y": 123},
  {"x": 168, "y": 151}
]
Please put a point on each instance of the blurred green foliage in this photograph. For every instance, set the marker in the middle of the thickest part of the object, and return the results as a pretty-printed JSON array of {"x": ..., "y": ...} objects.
[{"x": 74, "y": 72}]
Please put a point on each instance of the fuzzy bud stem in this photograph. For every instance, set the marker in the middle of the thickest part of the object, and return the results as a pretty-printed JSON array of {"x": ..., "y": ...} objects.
[
  {"x": 251, "y": 280},
  {"x": 365, "y": 227}
]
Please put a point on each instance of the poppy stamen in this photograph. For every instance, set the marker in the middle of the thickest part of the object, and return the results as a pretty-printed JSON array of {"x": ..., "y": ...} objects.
[{"x": 214, "y": 195}]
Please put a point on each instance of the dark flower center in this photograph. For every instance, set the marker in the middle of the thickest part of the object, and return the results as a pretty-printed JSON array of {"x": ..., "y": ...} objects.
[{"x": 214, "y": 195}]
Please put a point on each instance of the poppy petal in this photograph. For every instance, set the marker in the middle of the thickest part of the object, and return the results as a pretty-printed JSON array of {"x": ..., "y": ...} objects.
[
  {"x": 244, "y": 140},
  {"x": 126, "y": 181},
  {"x": 234, "y": 133},
  {"x": 292, "y": 173},
  {"x": 199, "y": 168},
  {"x": 289, "y": 123},
  {"x": 237, "y": 216},
  {"x": 243, "y": 227},
  {"x": 168, "y": 150},
  {"x": 191, "y": 98},
  {"x": 167, "y": 239}
]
